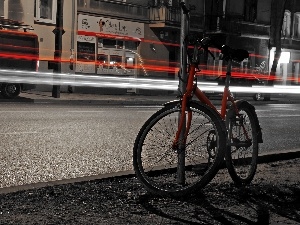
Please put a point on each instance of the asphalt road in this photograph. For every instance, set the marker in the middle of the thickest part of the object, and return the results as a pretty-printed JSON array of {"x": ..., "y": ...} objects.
[
  {"x": 281, "y": 126},
  {"x": 48, "y": 142}
]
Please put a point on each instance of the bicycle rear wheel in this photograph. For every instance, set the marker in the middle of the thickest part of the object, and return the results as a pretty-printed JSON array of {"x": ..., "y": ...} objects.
[
  {"x": 155, "y": 161},
  {"x": 242, "y": 150}
]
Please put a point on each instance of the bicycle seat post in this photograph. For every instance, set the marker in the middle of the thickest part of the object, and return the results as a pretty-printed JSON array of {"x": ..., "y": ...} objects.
[{"x": 228, "y": 74}]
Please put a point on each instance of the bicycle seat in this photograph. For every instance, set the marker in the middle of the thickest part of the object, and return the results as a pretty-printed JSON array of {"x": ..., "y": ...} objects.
[
  {"x": 234, "y": 54},
  {"x": 227, "y": 52}
]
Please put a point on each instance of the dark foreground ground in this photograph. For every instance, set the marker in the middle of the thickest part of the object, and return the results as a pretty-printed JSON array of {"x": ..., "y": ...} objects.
[{"x": 273, "y": 198}]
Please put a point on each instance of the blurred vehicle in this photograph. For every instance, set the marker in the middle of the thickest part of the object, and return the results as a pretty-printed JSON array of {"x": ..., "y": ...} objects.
[
  {"x": 241, "y": 82},
  {"x": 19, "y": 50}
]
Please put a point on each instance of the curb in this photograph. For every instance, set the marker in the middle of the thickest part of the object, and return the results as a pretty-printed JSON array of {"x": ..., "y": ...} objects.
[
  {"x": 40, "y": 97},
  {"x": 262, "y": 158},
  {"x": 99, "y": 102},
  {"x": 89, "y": 99},
  {"x": 86, "y": 101},
  {"x": 133, "y": 101},
  {"x": 278, "y": 156}
]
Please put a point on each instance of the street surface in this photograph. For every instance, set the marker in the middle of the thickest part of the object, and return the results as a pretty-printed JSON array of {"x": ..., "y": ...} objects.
[{"x": 47, "y": 142}]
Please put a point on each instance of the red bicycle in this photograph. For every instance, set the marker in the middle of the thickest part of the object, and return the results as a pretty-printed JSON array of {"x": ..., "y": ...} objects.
[{"x": 182, "y": 146}]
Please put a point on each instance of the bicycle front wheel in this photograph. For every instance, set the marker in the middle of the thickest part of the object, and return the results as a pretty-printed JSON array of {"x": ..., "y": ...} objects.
[
  {"x": 242, "y": 141},
  {"x": 159, "y": 166}
]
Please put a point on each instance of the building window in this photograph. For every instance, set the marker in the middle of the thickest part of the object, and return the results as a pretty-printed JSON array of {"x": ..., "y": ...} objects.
[
  {"x": 250, "y": 10},
  {"x": 102, "y": 61},
  {"x": 45, "y": 11},
  {"x": 286, "y": 25},
  {"x": 115, "y": 62},
  {"x": 81, "y": 3},
  {"x": 296, "y": 31},
  {"x": 120, "y": 44},
  {"x": 131, "y": 45},
  {"x": 1, "y": 7},
  {"x": 86, "y": 51},
  {"x": 95, "y": 4},
  {"x": 109, "y": 43}
]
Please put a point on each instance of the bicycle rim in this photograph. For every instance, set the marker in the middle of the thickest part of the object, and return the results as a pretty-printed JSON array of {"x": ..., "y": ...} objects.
[
  {"x": 242, "y": 155},
  {"x": 156, "y": 162}
]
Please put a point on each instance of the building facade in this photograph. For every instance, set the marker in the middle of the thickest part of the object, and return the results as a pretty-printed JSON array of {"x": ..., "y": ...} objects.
[
  {"x": 140, "y": 38},
  {"x": 247, "y": 24}
]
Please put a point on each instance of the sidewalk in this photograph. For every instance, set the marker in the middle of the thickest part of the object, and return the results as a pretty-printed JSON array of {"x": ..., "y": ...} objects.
[
  {"x": 79, "y": 98},
  {"x": 272, "y": 198}
]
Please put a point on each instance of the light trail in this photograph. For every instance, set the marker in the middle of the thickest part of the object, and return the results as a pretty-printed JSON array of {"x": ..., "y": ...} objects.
[{"x": 19, "y": 76}]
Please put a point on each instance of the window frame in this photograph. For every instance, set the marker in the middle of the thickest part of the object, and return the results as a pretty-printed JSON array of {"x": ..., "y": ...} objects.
[
  {"x": 296, "y": 31},
  {"x": 38, "y": 13},
  {"x": 250, "y": 10},
  {"x": 286, "y": 24},
  {"x": 2, "y": 8}
]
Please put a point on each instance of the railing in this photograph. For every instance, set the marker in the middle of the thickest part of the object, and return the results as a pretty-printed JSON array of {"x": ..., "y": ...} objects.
[
  {"x": 254, "y": 29},
  {"x": 231, "y": 24},
  {"x": 170, "y": 16},
  {"x": 234, "y": 24},
  {"x": 118, "y": 9}
]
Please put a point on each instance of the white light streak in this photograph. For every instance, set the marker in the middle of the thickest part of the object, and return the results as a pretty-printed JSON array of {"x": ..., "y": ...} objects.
[{"x": 18, "y": 76}]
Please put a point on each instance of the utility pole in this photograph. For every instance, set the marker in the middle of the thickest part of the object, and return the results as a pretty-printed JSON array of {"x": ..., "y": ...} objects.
[
  {"x": 182, "y": 88},
  {"x": 58, "y": 31},
  {"x": 183, "y": 50}
]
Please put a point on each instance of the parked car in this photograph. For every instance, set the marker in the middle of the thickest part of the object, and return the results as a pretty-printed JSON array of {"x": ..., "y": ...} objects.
[{"x": 248, "y": 81}]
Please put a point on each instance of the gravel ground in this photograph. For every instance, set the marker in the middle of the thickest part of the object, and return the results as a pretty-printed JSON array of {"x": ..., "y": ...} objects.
[{"x": 272, "y": 198}]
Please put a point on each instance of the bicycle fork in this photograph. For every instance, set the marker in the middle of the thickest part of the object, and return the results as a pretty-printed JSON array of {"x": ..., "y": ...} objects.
[{"x": 183, "y": 124}]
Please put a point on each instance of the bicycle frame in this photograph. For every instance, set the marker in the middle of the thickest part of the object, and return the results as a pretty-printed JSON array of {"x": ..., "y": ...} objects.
[{"x": 192, "y": 89}]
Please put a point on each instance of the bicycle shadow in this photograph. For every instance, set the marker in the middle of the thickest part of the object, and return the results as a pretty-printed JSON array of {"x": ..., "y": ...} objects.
[{"x": 225, "y": 204}]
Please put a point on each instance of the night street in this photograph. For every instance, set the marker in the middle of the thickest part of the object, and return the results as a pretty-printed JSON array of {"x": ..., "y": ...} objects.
[
  {"x": 79, "y": 80},
  {"x": 46, "y": 142}
]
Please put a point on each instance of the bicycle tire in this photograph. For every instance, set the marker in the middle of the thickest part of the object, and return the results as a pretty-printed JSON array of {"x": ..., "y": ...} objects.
[
  {"x": 154, "y": 160},
  {"x": 241, "y": 159}
]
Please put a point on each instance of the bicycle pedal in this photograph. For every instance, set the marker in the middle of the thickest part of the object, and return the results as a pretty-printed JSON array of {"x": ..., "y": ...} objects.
[{"x": 239, "y": 117}]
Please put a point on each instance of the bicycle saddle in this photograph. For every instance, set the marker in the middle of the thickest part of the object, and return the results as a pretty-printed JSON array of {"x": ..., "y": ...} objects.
[
  {"x": 227, "y": 52},
  {"x": 234, "y": 54}
]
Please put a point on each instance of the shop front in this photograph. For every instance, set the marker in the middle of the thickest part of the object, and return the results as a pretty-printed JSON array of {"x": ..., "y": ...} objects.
[
  {"x": 287, "y": 72},
  {"x": 108, "y": 46}
]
